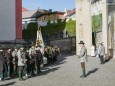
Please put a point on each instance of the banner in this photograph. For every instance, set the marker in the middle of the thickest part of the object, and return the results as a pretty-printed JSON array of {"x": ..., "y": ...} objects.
[{"x": 39, "y": 40}]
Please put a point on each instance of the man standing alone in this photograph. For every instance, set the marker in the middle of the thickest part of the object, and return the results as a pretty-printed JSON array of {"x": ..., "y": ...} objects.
[
  {"x": 101, "y": 53},
  {"x": 83, "y": 56}
]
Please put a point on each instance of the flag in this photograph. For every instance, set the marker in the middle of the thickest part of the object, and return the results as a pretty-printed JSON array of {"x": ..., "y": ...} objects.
[{"x": 39, "y": 40}]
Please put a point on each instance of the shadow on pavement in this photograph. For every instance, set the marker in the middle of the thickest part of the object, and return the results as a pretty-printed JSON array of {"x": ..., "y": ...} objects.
[
  {"x": 107, "y": 60},
  {"x": 62, "y": 58},
  {"x": 92, "y": 71},
  {"x": 8, "y": 84},
  {"x": 48, "y": 70},
  {"x": 13, "y": 77}
]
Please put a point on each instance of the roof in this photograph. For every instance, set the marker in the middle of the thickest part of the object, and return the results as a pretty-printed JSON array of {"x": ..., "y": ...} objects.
[
  {"x": 29, "y": 14},
  {"x": 48, "y": 13},
  {"x": 33, "y": 13},
  {"x": 24, "y": 9},
  {"x": 71, "y": 12}
]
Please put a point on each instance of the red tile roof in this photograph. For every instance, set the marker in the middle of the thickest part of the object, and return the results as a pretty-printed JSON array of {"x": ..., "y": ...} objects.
[
  {"x": 24, "y": 9},
  {"x": 69, "y": 12}
]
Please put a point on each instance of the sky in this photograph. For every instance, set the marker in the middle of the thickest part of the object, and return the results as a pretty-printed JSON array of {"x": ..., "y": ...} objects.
[{"x": 55, "y": 5}]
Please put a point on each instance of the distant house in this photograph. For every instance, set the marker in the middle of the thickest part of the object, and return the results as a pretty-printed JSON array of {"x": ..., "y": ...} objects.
[
  {"x": 70, "y": 14},
  {"x": 29, "y": 16},
  {"x": 51, "y": 17},
  {"x": 24, "y": 9}
]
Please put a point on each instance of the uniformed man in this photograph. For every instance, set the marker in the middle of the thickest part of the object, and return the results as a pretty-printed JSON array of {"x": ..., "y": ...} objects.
[
  {"x": 39, "y": 57},
  {"x": 8, "y": 56},
  {"x": 32, "y": 54},
  {"x": 53, "y": 53},
  {"x": 101, "y": 53},
  {"x": 15, "y": 60},
  {"x": 21, "y": 62},
  {"x": 83, "y": 57},
  {"x": 28, "y": 64},
  {"x": 1, "y": 64},
  {"x": 42, "y": 53},
  {"x": 49, "y": 52},
  {"x": 57, "y": 52}
]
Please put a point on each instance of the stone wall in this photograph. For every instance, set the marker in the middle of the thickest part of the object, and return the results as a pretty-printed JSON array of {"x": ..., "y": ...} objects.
[{"x": 66, "y": 44}]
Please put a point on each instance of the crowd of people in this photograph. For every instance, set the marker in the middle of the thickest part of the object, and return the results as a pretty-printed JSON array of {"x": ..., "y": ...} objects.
[{"x": 25, "y": 62}]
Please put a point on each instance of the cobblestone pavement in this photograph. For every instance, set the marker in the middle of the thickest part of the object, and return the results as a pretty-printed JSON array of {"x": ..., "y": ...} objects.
[{"x": 66, "y": 72}]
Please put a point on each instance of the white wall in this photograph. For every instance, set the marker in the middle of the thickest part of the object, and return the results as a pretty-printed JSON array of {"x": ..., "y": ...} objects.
[
  {"x": 7, "y": 20},
  {"x": 42, "y": 23}
]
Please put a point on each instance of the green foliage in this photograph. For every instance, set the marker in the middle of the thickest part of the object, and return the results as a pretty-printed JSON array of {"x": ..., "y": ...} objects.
[
  {"x": 96, "y": 22},
  {"x": 32, "y": 25},
  {"x": 51, "y": 29},
  {"x": 30, "y": 32},
  {"x": 71, "y": 27},
  {"x": 59, "y": 27}
]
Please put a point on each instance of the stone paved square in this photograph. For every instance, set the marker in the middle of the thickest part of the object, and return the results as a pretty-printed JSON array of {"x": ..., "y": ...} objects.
[{"x": 66, "y": 72}]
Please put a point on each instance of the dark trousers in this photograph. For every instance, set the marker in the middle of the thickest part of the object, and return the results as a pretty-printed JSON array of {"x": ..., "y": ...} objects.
[
  {"x": 21, "y": 70},
  {"x": 26, "y": 69},
  {"x": 54, "y": 58},
  {"x": 3, "y": 74},
  {"x": 9, "y": 70},
  {"x": 83, "y": 69},
  {"x": 101, "y": 59},
  {"x": 15, "y": 68},
  {"x": 33, "y": 67},
  {"x": 50, "y": 60},
  {"x": 38, "y": 66}
]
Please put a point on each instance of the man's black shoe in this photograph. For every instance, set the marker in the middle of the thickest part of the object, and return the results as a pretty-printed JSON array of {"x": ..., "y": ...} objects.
[
  {"x": 83, "y": 76},
  {"x": 39, "y": 72},
  {"x": 22, "y": 79}
]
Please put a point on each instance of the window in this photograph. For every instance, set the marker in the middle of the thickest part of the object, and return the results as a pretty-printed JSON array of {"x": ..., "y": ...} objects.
[
  {"x": 60, "y": 16},
  {"x": 111, "y": 1},
  {"x": 44, "y": 18},
  {"x": 53, "y": 17}
]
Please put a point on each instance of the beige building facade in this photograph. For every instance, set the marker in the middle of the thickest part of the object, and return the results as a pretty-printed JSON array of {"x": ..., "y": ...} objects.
[{"x": 84, "y": 24}]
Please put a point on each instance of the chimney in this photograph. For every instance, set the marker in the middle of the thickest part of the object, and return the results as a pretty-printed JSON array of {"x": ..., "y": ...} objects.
[{"x": 50, "y": 10}]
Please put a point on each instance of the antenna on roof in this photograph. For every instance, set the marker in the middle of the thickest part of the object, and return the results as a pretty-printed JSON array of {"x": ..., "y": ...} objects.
[
  {"x": 50, "y": 10},
  {"x": 38, "y": 7}
]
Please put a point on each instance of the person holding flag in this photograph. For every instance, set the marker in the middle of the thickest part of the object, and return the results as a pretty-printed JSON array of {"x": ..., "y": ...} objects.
[{"x": 39, "y": 40}]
